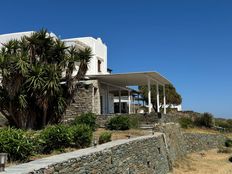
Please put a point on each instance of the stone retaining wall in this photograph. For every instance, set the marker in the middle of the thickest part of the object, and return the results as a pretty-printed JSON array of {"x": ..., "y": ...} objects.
[
  {"x": 180, "y": 144},
  {"x": 174, "y": 138},
  {"x": 148, "y": 154},
  {"x": 143, "y": 119},
  {"x": 196, "y": 142},
  {"x": 151, "y": 118},
  {"x": 138, "y": 155}
]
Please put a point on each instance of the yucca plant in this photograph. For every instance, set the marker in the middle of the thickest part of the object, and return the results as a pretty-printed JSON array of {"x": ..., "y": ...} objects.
[{"x": 37, "y": 79}]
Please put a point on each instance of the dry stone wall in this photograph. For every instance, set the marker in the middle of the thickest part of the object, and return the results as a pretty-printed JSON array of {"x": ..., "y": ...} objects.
[
  {"x": 180, "y": 143},
  {"x": 174, "y": 138},
  {"x": 148, "y": 154},
  {"x": 138, "y": 155},
  {"x": 196, "y": 142},
  {"x": 142, "y": 118}
]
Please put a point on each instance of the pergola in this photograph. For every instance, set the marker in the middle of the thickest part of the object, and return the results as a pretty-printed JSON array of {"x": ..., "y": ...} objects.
[{"x": 122, "y": 81}]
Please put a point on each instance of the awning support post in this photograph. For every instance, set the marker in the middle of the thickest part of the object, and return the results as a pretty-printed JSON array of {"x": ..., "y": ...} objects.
[
  {"x": 93, "y": 100},
  {"x": 157, "y": 96},
  {"x": 119, "y": 97},
  {"x": 129, "y": 102},
  {"x": 107, "y": 101},
  {"x": 149, "y": 95},
  {"x": 164, "y": 92},
  {"x": 133, "y": 97}
]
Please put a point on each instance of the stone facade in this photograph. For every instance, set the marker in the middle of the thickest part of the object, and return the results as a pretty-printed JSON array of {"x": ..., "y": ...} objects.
[
  {"x": 87, "y": 99},
  {"x": 92, "y": 96}
]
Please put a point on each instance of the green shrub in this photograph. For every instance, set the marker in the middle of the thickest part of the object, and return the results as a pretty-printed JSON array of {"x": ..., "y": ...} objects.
[
  {"x": 224, "y": 150},
  {"x": 222, "y": 123},
  {"x": 185, "y": 122},
  {"x": 86, "y": 118},
  {"x": 230, "y": 159},
  {"x": 105, "y": 137},
  {"x": 205, "y": 120},
  {"x": 55, "y": 137},
  {"x": 81, "y": 135},
  {"x": 15, "y": 142},
  {"x": 119, "y": 123},
  {"x": 228, "y": 143},
  {"x": 134, "y": 121}
]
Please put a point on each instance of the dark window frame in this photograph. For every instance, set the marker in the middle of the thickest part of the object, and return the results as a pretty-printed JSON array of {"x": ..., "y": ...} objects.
[{"x": 99, "y": 62}]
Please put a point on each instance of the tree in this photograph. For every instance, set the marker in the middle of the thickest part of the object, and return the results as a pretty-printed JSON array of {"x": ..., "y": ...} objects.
[
  {"x": 38, "y": 79},
  {"x": 206, "y": 120},
  {"x": 172, "y": 97}
]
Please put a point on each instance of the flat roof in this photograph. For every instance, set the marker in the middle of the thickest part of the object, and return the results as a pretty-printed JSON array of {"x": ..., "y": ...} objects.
[
  {"x": 4, "y": 38},
  {"x": 131, "y": 79}
]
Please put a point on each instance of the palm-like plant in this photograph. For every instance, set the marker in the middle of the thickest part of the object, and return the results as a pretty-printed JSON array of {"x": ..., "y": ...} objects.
[{"x": 34, "y": 92}]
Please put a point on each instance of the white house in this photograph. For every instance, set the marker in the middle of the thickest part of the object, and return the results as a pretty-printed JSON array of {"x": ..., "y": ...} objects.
[
  {"x": 98, "y": 63},
  {"x": 101, "y": 87},
  {"x": 4, "y": 38}
]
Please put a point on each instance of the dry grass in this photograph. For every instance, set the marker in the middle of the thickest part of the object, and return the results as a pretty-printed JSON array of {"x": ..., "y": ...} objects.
[
  {"x": 201, "y": 130},
  {"x": 122, "y": 134},
  {"x": 207, "y": 162},
  {"x": 207, "y": 131}
]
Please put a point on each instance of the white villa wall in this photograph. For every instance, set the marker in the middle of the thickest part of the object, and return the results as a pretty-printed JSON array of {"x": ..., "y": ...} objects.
[
  {"x": 177, "y": 107},
  {"x": 4, "y": 38},
  {"x": 103, "y": 93},
  {"x": 99, "y": 51},
  {"x": 111, "y": 103},
  {"x": 123, "y": 99}
]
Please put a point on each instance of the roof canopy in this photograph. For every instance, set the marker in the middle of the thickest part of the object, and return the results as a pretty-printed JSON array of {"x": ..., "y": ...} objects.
[{"x": 131, "y": 79}]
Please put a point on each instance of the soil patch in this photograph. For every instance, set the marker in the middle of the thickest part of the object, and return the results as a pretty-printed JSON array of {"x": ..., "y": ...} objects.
[{"x": 205, "y": 162}]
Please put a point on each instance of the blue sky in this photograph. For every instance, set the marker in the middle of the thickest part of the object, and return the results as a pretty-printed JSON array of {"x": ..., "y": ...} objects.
[{"x": 188, "y": 41}]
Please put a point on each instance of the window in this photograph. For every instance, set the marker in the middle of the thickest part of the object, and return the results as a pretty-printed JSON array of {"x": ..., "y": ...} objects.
[{"x": 99, "y": 65}]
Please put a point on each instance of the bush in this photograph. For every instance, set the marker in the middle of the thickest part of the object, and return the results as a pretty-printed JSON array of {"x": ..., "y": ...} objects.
[
  {"x": 228, "y": 143},
  {"x": 81, "y": 135},
  {"x": 185, "y": 122},
  {"x": 119, "y": 123},
  {"x": 222, "y": 123},
  {"x": 105, "y": 137},
  {"x": 55, "y": 137},
  {"x": 230, "y": 159},
  {"x": 224, "y": 150},
  {"x": 86, "y": 118},
  {"x": 134, "y": 121},
  {"x": 205, "y": 120},
  {"x": 15, "y": 142}
]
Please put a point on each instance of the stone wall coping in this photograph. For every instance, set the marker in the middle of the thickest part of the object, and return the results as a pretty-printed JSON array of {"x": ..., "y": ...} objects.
[
  {"x": 169, "y": 123},
  {"x": 65, "y": 157}
]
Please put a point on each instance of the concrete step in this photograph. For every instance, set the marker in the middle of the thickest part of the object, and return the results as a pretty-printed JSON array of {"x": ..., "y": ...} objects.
[{"x": 146, "y": 126}]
